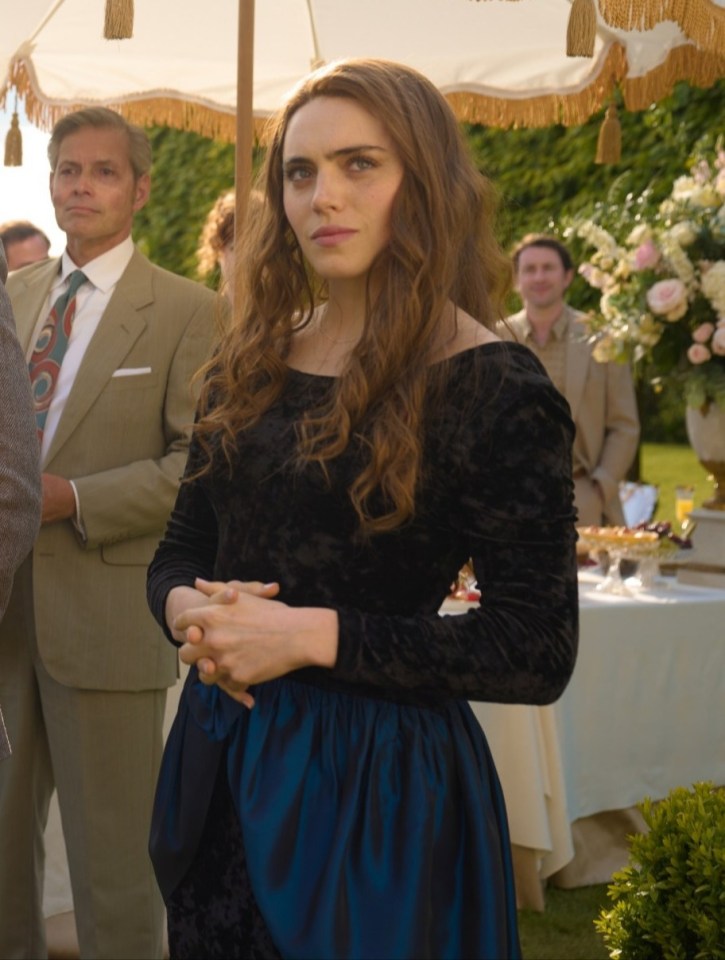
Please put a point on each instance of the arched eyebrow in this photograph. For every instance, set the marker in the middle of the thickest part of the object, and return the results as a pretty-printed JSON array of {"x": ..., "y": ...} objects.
[{"x": 342, "y": 152}]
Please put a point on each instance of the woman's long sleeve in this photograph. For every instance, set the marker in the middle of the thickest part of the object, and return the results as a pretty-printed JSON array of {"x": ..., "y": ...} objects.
[{"x": 515, "y": 508}]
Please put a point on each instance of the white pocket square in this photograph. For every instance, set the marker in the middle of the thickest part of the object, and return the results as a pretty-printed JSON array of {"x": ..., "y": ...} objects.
[{"x": 131, "y": 371}]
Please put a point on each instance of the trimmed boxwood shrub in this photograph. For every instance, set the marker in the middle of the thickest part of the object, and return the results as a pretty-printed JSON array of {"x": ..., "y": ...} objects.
[{"x": 669, "y": 902}]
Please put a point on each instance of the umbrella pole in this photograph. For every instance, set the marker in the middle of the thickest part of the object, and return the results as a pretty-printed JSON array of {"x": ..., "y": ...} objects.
[{"x": 245, "y": 75}]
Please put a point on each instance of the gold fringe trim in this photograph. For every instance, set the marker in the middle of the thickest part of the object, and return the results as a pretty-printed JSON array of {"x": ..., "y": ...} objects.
[
  {"x": 581, "y": 31},
  {"x": 144, "y": 111},
  {"x": 569, "y": 109},
  {"x": 701, "y": 21},
  {"x": 119, "y": 20},
  {"x": 698, "y": 67},
  {"x": 14, "y": 144}
]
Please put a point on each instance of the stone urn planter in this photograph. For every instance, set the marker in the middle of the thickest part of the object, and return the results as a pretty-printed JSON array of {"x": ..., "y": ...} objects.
[{"x": 706, "y": 432}]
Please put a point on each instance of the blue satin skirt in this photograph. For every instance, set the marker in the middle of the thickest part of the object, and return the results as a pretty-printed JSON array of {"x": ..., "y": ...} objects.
[{"x": 371, "y": 829}]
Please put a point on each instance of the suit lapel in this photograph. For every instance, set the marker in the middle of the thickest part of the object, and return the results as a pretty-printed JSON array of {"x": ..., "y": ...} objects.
[
  {"x": 28, "y": 300},
  {"x": 119, "y": 328},
  {"x": 578, "y": 356}
]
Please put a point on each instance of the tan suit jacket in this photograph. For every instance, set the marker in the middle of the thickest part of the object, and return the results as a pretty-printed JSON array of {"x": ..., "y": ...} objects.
[
  {"x": 19, "y": 455},
  {"x": 123, "y": 440},
  {"x": 20, "y": 498},
  {"x": 604, "y": 409}
]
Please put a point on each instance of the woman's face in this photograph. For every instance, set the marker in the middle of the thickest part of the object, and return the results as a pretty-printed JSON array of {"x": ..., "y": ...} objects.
[{"x": 341, "y": 175}]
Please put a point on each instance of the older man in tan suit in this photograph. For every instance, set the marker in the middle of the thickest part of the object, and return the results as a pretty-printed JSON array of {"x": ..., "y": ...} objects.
[
  {"x": 83, "y": 667},
  {"x": 601, "y": 395}
]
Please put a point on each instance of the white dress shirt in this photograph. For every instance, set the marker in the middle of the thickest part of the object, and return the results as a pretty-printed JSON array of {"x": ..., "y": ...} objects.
[
  {"x": 92, "y": 298},
  {"x": 91, "y": 301}
]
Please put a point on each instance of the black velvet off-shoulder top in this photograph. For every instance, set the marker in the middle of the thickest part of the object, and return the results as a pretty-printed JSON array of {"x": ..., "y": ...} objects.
[{"x": 496, "y": 488}]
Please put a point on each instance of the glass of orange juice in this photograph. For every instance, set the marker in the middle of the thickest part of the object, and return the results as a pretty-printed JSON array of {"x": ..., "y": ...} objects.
[{"x": 684, "y": 503}]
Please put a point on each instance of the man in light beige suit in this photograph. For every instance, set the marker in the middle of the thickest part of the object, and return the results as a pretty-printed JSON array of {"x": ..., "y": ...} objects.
[
  {"x": 601, "y": 395},
  {"x": 83, "y": 667}
]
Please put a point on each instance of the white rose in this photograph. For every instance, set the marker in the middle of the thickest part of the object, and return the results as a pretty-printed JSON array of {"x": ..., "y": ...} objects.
[
  {"x": 639, "y": 235},
  {"x": 705, "y": 195},
  {"x": 683, "y": 188},
  {"x": 713, "y": 286},
  {"x": 605, "y": 350},
  {"x": 667, "y": 296},
  {"x": 683, "y": 233}
]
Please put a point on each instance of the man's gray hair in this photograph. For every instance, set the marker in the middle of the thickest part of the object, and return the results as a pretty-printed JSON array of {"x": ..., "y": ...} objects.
[{"x": 139, "y": 147}]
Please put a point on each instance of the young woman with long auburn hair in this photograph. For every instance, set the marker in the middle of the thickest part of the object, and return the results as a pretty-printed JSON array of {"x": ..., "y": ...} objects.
[{"x": 326, "y": 791}]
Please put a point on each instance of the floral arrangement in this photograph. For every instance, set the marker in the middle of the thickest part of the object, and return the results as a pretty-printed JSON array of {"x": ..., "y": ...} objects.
[{"x": 661, "y": 283}]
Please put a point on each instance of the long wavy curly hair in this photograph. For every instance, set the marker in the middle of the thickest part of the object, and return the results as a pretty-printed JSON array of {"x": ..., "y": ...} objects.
[{"x": 442, "y": 249}]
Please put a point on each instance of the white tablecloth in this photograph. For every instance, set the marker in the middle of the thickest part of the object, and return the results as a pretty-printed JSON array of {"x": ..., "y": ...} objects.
[{"x": 645, "y": 710}]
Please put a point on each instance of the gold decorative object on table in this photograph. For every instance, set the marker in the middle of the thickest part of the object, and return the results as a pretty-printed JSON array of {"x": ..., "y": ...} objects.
[{"x": 646, "y": 546}]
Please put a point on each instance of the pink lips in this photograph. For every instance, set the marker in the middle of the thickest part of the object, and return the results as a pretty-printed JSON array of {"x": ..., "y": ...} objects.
[{"x": 329, "y": 236}]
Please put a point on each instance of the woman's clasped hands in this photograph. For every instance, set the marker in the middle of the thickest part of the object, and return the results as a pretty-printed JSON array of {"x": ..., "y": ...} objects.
[{"x": 238, "y": 635}]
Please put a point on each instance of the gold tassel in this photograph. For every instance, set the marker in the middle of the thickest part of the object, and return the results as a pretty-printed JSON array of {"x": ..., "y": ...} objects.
[
  {"x": 582, "y": 29},
  {"x": 14, "y": 144},
  {"x": 609, "y": 144},
  {"x": 119, "y": 20}
]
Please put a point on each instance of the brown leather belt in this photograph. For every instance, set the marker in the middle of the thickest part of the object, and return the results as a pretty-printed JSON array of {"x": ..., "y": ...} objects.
[{"x": 579, "y": 473}]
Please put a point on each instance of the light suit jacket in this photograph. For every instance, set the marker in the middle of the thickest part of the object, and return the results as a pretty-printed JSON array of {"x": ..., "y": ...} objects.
[
  {"x": 123, "y": 440},
  {"x": 20, "y": 493},
  {"x": 603, "y": 406},
  {"x": 20, "y": 496}
]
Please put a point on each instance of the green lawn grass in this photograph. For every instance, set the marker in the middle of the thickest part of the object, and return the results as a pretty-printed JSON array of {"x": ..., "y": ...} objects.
[
  {"x": 565, "y": 931},
  {"x": 668, "y": 466}
]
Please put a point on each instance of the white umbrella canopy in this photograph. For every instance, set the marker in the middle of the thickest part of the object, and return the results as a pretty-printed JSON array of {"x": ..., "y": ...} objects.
[
  {"x": 188, "y": 64},
  {"x": 503, "y": 63}
]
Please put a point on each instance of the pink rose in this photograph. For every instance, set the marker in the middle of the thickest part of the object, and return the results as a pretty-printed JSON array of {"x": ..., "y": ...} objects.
[
  {"x": 677, "y": 313},
  {"x": 666, "y": 296},
  {"x": 698, "y": 354},
  {"x": 646, "y": 255},
  {"x": 703, "y": 333},
  {"x": 718, "y": 342}
]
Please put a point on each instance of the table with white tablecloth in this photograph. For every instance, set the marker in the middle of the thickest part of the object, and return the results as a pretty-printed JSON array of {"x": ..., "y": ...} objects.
[
  {"x": 643, "y": 714},
  {"x": 645, "y": 711}
]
